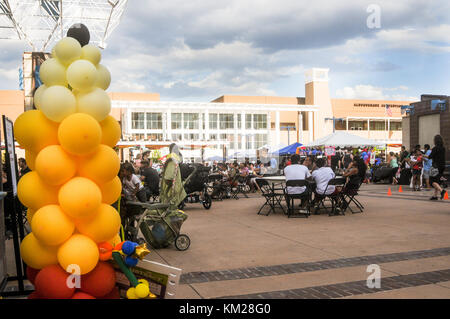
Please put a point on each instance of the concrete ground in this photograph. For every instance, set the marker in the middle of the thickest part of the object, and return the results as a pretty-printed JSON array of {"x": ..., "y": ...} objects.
[{"x": 236, "y": 253}]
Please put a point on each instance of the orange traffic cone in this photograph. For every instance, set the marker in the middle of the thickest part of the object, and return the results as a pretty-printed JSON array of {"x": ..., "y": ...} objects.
[
  {"x": 400, "y": 190},
  {"x": 389, "y": 192},
  {"x": 446, "y": 196}
]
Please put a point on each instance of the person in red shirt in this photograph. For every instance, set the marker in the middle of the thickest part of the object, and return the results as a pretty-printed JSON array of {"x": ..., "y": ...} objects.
[{"x": 417, "y": 169}]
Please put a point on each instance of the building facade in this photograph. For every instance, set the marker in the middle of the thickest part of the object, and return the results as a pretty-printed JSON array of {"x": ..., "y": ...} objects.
[{"x": 244, "y": 124}]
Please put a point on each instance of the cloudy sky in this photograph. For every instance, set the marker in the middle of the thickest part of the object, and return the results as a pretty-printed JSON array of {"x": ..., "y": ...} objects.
[{"x": 198, "y": 50}]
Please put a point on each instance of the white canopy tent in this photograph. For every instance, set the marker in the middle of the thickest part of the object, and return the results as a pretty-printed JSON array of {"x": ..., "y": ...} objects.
[{"x": 344, "y": 139}]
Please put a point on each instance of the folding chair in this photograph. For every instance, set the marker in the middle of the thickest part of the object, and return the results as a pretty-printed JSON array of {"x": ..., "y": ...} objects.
[
  {"x": 335, "y": 199},
  {"x": 273, "y": 198},
  {"x": 306, "y": 195},
  {"x": 241, "y": 187},
  {"x": 349, "y": 196}
]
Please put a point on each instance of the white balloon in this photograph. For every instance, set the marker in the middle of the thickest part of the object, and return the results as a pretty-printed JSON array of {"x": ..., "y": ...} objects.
[
  {"x": 82, "y": 75},
  {"x": 95, "y": 103},
  {"x": 58, "y": 102},
  {"x": 38, "y": 96}
]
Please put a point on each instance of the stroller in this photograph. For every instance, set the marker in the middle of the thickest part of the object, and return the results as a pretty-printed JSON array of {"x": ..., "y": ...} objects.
[
  {"x": 195, "y": 180},
  {"x": 159, "y": 225}
]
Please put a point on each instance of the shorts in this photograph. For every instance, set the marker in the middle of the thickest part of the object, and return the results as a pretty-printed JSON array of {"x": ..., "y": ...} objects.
[
  {"x": 426, "y": 174},
  {"x": 417, "y": 172}
]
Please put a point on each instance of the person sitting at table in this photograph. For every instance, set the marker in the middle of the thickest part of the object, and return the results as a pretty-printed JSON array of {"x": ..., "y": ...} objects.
[
  {"x": 322, "y": 175},
  {"x": 355, "y": 174},
  {"x": 296, "y": 171}
]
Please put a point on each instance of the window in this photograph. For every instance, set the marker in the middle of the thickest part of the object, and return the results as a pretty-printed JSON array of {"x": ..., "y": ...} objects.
[
  {"x": 176, "y": 121},
  {"x": 191, "y": 137},
  {"x": 154, "y": 121},
  {"x": 377, "y": 126},
  {"x": 396, "y": 126},
  {"x": 248, "y": 121},
  {"x": 190, "y": 121},
  {"x": 226, "y": 121},
  {"x": 138, "y": 137},
  {"x": 213, "y": 137},
  {"x": 259, "y": 121},
  {"x": 357, "y": 125},
  {"x": 138, "y": 120},
  {"x": 260, "y": 140},
  {"x": 341, "y": 125},
  {"x": 213, "y": 121},
  {"x": 177, "y": 137},
  {"x": 239, "y": 122},
  {"x": 154, "y": 137}
]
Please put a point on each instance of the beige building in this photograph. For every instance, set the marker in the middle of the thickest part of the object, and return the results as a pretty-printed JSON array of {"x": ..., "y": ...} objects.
[{"x": 244, "y": 124}]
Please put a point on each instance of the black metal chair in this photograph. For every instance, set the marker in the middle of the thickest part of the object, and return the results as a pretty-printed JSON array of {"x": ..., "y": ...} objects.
[
  {"x": 241, "y": 187},
  {"x": 348, "y": 196},
  {"x": 335, "y": 198},
  {"x": 305, "y": 196},
  {"x": 272, "y": 197}
]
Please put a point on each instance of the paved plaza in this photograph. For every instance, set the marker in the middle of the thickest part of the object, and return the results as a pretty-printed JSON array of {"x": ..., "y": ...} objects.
[{"x": 236, "y": 253}]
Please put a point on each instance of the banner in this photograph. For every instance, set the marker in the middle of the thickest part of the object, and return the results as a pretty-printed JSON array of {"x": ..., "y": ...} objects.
[{"x": 330, "y": 150}]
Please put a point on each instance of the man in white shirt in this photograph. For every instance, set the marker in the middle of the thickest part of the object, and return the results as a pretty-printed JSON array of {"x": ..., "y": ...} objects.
[
  {"x": 296, "y": 171},
  {"x": 322, "y": 176}
]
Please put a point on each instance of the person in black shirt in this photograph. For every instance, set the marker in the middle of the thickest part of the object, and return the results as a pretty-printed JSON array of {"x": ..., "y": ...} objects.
[
  {"x": 151, "y": 179},
  {"x": 438, "y": 157},
  {"x": 336, "y": 160},
  {"x": 23, "y": 167}
]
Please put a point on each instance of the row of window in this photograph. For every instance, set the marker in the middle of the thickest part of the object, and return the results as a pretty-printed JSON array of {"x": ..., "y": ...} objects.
[
  {"x": 251, "y": 141},
  {"x": 191, "y": 121},
  {"x": 362, "y": 125}
]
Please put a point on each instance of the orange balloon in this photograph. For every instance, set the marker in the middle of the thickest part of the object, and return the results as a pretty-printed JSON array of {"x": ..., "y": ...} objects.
[
  {"x": 54, "y": 165},
  {"x": 80, "y": 197},
  {"x": 79, "y": 250},
  {"x": 34, "y": 193},
  {"x": 79, "y": 134},
  {"x": 30, "y": 158},
  {"x": 35, "y": 254},
  {"x": 111, "y": 191},
  {"x": 103, "y": 226},
  {"x": 52, "y": 226},
  {"x": 111, "y": 131},
  {"x": 34, "y": 131},
  {"x": 101, "y": 166}
]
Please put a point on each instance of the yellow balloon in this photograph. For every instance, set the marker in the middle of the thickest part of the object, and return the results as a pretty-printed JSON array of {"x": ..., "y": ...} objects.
[
  {"x": 34, "y": 193},
  {"x": 131, "y": 293},
  {"x": 104, "y": 77},
  {"x": 37, "y": 255},
  {"x": 95, "y": 103},
  {"x": 142, "y": 290},
  {"x": 53, "y": 72},
  {"x": 30, "y": 158},
  {"x": 79, "y": 134},
  {"x": 80, "y": 197},
  {"x": 101, "y": 227},
  {"x": 101, "y": 166},
  {"x": 111, "y": 131},
  {"x": 91, "y": 53},
  {"x": 79, "y": 250},
  {"x": 30, "y": 214},
  {"x": 111, "y": 191},
  {"x": 82, "y": 75},
  {"x": 34, "y": 131},
  {"x": 38, "y": 96},
  {"x": 52, "y": 226},
  {"x": 57, "y": 103},
  {"x": 55, "y": 166},
  {"x": 68, "y": 50}
]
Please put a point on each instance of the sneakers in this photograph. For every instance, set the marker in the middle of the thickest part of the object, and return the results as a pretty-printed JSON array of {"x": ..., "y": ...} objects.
[{"x": 434, "y": 198}]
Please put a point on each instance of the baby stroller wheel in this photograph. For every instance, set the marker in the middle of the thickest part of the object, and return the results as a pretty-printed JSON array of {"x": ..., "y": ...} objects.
[
  {"x": 182, "y": 242},
  {"x": 207, "y": 201}
]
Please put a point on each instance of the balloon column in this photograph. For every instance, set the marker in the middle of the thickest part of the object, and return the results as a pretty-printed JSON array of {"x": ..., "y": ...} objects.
[{"x": 69, "y": 142}]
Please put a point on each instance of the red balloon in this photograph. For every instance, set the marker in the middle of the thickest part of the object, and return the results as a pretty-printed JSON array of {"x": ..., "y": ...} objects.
[
  {"x": 100, "y": 281},
  {"x": 114, "y": 294},
  {"x": 34, "y": 295},
  {"x": 32, "y": 273},
  {"x": 51, "y": 283},
  {"x": 82, "y": 295}
]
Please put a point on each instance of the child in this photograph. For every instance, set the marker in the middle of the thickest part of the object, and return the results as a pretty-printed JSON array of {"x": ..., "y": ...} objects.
[
  {"x": 417, "y": 164},
  {"x": 132, "y": 185}
]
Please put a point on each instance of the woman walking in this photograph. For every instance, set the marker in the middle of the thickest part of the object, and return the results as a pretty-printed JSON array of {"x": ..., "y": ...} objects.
[{"x": 438, "y": 166}]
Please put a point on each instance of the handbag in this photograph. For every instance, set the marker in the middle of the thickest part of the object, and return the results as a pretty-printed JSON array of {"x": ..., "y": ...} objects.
[{"x": 434, "y": 171}]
